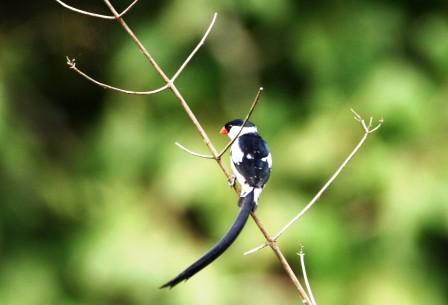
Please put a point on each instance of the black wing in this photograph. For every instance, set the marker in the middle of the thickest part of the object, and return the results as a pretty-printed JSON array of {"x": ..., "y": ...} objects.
[{"x": 254, "y": 166}]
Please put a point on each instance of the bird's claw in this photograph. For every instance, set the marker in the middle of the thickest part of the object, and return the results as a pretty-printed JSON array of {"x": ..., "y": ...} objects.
[{"x": 231, "y": 181}]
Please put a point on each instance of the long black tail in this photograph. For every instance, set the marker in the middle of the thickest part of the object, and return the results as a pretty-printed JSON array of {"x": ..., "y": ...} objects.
[{"x": 247, "y": 206}]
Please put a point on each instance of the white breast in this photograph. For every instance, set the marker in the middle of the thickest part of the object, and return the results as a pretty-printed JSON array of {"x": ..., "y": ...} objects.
[
  {"x": 236, "y": 154},
  {"x": 236, "y": 157}
]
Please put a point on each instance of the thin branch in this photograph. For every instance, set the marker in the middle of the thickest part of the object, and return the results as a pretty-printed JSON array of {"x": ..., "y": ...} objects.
[
  {"x": 194, "y": 153},
  {"x": 196, "y": 49},
  {"x": 367, "y": 130},
  {"x": 72, "y": 8},
  {"x": 256, "y": 249},
  {"x": 276, "y": 249},
  {"x": 212, "y": 149},
  {"x": 72, "y": 64},
  {"x": 128, "y": 8},
  {"x": 251, "y": 109},
  {"x": 301, "y": 254},
  {"x": 172, "y": 86}
]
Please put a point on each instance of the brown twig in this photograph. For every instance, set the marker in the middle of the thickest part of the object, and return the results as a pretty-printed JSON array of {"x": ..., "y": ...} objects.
[
  {"x": 252, "y": 107},
  {"x": 194, "y": 153},
  {"x": 367, "y": 130},
  {"x": 82, "y": 12},
  {"x": 198, "y": 46},
  {"x": 211, "y": 147},
  {"x": 72, "y": 64},
  {"x": 172, "y": 86}
]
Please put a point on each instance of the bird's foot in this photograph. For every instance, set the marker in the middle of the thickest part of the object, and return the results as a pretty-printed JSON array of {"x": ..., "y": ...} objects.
[{"x": 232, "y": 180}]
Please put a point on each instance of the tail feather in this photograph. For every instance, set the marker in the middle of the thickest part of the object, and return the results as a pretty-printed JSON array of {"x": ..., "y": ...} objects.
[{"x": 247, "y": 204}]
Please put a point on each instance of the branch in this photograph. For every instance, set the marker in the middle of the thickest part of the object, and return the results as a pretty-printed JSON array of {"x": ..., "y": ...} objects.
[
  {"x": 172, "y": 86},
  {"x": 213, "y": 151},
  {"x": 194, "y": 153},
  {"x": 254, "y": 103},
  {"x": 198, "y": 46},
  {"x": 251, "y": 109},
  {"x": 367, "y": 130},
  {"x": 211, "y": 147},
  {"x": 97, "y": 15},
  {"x": 367, "y": 127},
  {"x": 276, "y": 249},
  {"x": 301, "y": 254},
  {"x": 72, "y": 65}
]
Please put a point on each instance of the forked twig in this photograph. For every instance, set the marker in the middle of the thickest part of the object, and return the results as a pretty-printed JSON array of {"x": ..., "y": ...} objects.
[
  {"x": 77, "y": 10},
  {"x": 72, "y": 64},
  {"x": 127, "y": 9},
  {"x": 211, "y": 147},
  {"x": 198, "y": 46},
  {"x": 367, "y": 130},
  {"x": 214, "y": 152},
  {"x": 252, "y": 107},
  {"x": 223, "y": 151},
  {"x": 172, "y": 87},
  {"x": 301, "y": 254}
]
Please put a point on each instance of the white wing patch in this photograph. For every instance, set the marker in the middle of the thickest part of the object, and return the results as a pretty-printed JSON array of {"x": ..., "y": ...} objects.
[
  {"x": 246, "y": 189},
  {"x": 236, "y": 153},
  {"x": 257, "y": 193},
  {"x": 241, "y": 180},
  {"x": 268, "y": 159}
]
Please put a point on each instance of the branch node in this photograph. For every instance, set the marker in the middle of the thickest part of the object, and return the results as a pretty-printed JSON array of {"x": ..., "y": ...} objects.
[
  {"x": 72, "y": 65},
  {"x": 195, "y": 50},
  {"x": 301, "y": 250},
  {"x": 71, "y": 62},
  {"x": 101, "y": 16},
  {"x": 231, "y": 181},
  {"x": 367, "y": 127}
]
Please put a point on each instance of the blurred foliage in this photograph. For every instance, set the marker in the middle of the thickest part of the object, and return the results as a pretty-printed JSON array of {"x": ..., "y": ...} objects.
[{"x": 97, "y": 206}]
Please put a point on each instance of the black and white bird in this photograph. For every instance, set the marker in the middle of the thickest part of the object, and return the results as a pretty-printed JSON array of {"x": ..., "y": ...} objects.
[{"x": 251, "y": 163}]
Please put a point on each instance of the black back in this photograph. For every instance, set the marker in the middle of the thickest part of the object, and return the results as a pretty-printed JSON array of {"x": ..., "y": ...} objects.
[{"x": 255, "y": 170}]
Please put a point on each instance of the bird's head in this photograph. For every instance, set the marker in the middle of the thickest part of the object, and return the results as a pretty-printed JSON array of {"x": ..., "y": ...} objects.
[{"x": 232, "y": 128}]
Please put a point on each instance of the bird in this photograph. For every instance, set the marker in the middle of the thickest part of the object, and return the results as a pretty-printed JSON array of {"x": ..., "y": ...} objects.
[{"x": 251, "y": 163}]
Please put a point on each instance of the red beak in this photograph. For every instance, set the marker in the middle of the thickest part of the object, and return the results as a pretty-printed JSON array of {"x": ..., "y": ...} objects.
[{"x": 223, "y": 131}]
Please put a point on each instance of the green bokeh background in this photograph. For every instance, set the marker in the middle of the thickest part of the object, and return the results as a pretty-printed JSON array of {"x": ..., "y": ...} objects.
[{"x": 99, "y": 207}]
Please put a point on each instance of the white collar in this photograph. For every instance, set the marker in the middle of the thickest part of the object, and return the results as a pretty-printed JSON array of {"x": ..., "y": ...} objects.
[{"x": 235, "y": 129}]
